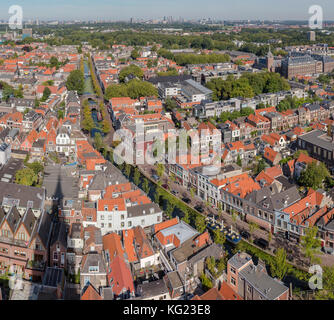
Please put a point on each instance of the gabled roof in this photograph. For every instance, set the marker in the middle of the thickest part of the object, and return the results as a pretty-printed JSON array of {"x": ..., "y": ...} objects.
[
  {"x": 90, "y": 293},
  {"x": 13, "y": 218},
  {"x": 270, "y": 154},
  {"x": 305, "y": 205},
  {"x": 112, "y": 246},
  {"x": 120, "y": 277},
  {"x": 212, "y": 294},
  {"x": 29, "y": 221}
]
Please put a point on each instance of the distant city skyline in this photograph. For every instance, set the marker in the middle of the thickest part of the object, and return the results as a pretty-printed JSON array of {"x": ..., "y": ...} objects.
[{"x": 187, "y": 9}]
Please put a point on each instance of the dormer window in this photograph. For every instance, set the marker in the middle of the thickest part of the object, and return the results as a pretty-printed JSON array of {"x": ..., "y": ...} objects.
[{"x": 93, "y": 269}]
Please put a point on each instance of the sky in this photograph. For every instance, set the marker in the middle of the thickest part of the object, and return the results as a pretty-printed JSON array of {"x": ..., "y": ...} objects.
[{"x": 188, "y": 9}]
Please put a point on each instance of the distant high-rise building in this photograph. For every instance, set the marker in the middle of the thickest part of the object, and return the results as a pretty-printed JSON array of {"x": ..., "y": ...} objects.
[{"x": 311, "y": 36}]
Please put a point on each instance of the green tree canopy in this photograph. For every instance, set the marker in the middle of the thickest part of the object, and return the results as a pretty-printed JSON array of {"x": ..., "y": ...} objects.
[
  {"x": 279, "y": 265},
  {"x": 314, "y": 175},
  {"x": 135, "y": 54},
  {"x": 310, "y": 244},
  {"x": 200, "y": 223},
  {"x": 219, "y": 237},
  {"x": 136, "y": 176},
  {"x": 54, "y": 62},
  {"x": 133, "y": 89},
  {"x": 206, "y": 282},
  {"x": 76, "y": 81},
  {"x": 37, "y": 167},
  {"x": 247, "y": 86},
  {"x": 7, "y": 90},
  {"x": 327, "y": 293},
  {"x": 98, "y": 141},
  {"x": 26, "y": 177},
  {"x": 146, "y": 186},
  {"x": 132, "y": 69},
  {"x": 46, "y": 94}
]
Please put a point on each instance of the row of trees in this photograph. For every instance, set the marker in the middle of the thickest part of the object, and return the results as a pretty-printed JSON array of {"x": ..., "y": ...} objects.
[
  {"x": 169, "y": 72},
  {"x": 166, "y": 201},
  {"x": 104, "y": 41},
  {"x": 247, "y": 86},
  {"x": 96, "y": 86},
  {"x": 105, "y": 123},
  {"x": 183, "y": 59},
  {"x": 88, "y": 123}
]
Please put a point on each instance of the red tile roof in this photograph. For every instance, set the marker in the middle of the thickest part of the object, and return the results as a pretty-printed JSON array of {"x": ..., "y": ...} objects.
[
  {"x": 165, "y": 224},
  {"x": 212, "y": 294},
  {"x": 112, "y": 244},
  {"x": 228, "y": 293},
  {"x": 111, "y": 204},
  {"x": 305, "y": 159},
  {"x": 301, "y": 210},
  {"x": 270, "y": 154},
  {"x": 119, "y": 277},
  {"x": 90, "y": 293}
]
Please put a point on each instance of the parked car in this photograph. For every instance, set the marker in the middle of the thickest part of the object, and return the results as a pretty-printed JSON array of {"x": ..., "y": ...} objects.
[
  {"x": 165, "y": 186},
  {"x": 262, "y": 243},
  {"x": 245, "y": 234},
  {"x": 199, "y": 208},
  {"x": 186, "y": 200},
  {"x": 175, "y": 193}
]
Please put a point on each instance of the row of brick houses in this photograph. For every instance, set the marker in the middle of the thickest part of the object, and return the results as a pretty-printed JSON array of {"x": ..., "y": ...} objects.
[{"x": 25, "y": 230}]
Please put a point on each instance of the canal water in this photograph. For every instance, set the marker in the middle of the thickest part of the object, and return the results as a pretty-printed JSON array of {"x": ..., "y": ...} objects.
[
  {"x": 88, "y": 80},
  {"x": 96, "y": 121}
]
